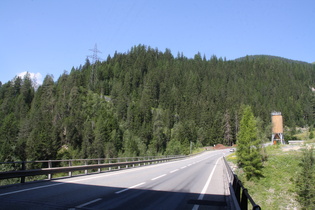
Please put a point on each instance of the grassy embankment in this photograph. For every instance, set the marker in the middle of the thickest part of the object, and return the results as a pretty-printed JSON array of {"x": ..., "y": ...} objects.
[{"x": 276, "y": 190}]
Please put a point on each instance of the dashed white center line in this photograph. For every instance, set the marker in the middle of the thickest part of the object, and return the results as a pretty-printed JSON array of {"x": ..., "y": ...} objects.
[
  {"x": 33, "y": 188},
  {"x": 174, "y": 171},
  {"x": 158, "y": 177},
  {"x": 88, "y": 203},
  {"x": 203, "y": 192},
  {"x": 137, "y": 185}
]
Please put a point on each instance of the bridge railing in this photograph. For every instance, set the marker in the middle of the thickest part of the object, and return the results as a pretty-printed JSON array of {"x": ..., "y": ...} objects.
[
  {"x": 22, "y": 169},
  {"x": 241, "y": 193}
]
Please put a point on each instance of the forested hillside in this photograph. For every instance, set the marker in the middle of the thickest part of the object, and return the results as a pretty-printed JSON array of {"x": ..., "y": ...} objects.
[
  {"x": 147, "y": 102},
  {"x": 269, "y": 57}
]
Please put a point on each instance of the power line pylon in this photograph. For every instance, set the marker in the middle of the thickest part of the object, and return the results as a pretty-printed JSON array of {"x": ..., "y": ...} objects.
[
  {"x": 94, "y": 56},
  {"x": 95, "y": 59}
]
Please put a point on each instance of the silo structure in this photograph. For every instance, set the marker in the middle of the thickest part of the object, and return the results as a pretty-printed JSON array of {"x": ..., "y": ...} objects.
[{"x": 277, "y": 128}]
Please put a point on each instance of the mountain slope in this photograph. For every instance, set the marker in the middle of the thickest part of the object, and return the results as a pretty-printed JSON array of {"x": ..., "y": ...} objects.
[{"x": 159, "y": 105}]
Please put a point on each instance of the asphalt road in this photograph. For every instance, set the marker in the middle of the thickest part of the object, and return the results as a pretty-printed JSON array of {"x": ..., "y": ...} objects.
[{"x": 195, "y": 183}]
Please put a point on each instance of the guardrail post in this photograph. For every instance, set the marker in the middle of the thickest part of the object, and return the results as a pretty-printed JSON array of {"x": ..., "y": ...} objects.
[
  {"x": 85, "y": 171},
  {"x": 241, "y": 197},
  {"x": 23, "y": 168},
  {"x": 244, "y": 203},
  {"x": 70, "y": 164},
  {"x": 256, "y": 207},
  {"x": 49, "y": 166},
  {"x": 237, "y": 189}
]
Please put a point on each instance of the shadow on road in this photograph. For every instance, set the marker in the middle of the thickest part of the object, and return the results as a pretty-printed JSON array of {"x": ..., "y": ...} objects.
[{"x": 62, "y": 195}]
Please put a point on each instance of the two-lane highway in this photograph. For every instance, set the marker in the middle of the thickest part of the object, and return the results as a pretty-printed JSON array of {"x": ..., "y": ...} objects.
[{"x": 192, "y": 183}]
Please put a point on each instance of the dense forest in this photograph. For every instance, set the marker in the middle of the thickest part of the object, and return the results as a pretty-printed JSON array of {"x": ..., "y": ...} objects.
[{"x": 148, "y": 102}]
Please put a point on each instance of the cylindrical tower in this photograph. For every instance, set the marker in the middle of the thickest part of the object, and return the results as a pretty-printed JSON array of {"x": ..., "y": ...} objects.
[{"x": 277, "y": 128}]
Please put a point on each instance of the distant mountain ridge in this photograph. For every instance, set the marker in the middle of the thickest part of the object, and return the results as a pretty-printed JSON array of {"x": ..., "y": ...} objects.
[{"x": 271, "y": 57}]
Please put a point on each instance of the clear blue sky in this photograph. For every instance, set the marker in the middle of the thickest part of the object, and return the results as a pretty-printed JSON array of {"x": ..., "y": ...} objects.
[{"x": 48, "y": 37}]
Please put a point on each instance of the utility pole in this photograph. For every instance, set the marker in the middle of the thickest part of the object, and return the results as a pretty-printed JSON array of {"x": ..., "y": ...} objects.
[
  {"x": 95, "y": 60},
  {"x": 94, "y": 57}
]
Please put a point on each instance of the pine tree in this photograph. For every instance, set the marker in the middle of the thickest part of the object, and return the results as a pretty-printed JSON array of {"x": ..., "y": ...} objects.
[
  {"x": 248, "y": 144},
  {"x": 228, "y": 138},
  {"x": 42, "y": 143},
  {"x": 305, "y": 183},
  {"x": 8, "y": 136}
]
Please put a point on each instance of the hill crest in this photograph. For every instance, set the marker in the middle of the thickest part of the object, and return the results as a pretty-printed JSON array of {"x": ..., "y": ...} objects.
[{"x": 270, "y": 57}]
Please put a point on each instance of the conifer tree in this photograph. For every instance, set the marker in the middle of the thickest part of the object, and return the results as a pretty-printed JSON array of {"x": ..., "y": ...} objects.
[
  {"x": 305, "y": 182},
  {"x": 227, "y": 129},
  {"x": 248, "y": 144}
]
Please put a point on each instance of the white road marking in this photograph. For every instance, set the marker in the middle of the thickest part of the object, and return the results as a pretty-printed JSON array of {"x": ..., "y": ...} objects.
[
  {"x": 74, "y": 180},
  {"x": 158, "y": 177},
  {"x": 203, "y": 192},
  {"x": 65, "y": 182},
  {"x": 137, "y": 185},
  {"x": 88, "y": 203},
  {"x": 33, "y": 188},
  {"x": 174, "y": 171}
]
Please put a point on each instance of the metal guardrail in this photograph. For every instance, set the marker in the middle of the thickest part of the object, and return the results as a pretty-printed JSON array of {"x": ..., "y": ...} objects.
[
  {"x": 241, "y": 193},
  {"x": 89, "y": 164}
]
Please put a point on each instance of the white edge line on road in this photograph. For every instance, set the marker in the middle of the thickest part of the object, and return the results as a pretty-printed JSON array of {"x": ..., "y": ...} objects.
[
  {"x": 203, "y": 192},
  {"x": 33, "y": 188},
  {"x": 158, "y": 177},
  {"x": 174, "y": 171},
  {"x": 88, "y": 203},
  {"x": 137, "y": 185}
]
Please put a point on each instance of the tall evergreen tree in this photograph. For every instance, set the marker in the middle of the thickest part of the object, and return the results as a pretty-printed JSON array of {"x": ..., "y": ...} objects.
[
  {"x": 248, "y": 145},
  {"x": 8, "y": 137},
  {"x": 42, "y": 143},
  {"x": 228, "y": 138},
  {"x": 305, "y": 183}
]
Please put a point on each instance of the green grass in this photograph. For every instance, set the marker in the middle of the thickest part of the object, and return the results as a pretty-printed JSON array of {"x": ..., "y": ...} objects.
[
  {"x": 197, "y": 150},
  {"x": 276, "y": 190},
  {"x": 304, "y": 134}
]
